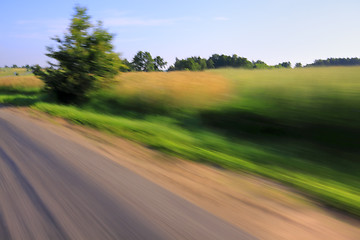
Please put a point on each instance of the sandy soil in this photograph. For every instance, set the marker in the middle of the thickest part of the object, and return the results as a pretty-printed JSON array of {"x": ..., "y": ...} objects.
[{"x": 261, "y": 207}]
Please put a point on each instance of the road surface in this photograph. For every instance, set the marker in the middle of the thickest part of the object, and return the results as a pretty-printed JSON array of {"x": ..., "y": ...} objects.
[{"x": 53, "y": 188}]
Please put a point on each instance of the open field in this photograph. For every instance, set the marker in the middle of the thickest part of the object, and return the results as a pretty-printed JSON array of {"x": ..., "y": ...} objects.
[
  {"x": 11, "y": 72},
  {"x": 297, "y": 126}
]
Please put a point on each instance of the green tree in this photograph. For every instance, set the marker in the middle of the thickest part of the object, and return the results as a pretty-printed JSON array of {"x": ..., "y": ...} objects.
[
  {"x": 143, "y": 61},
  {"x": 260, "y": 65},
  {"x": 286, "y": 64},
  {"x": 126, "y": 66},
  {"x": 85, "y": 60},
  {"x": 298, "y": 65},
  {"x": 336, "y": 62},
  {"x": 283, "y": 65},
  {"x": 159, "y": 63},
  {"x": 191, "y": 64},
  {"x": 210, "y": 63},
  {"x": 202, "y": 63}
]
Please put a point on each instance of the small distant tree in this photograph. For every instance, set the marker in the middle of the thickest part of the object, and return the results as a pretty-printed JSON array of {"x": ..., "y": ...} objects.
[
  {"x": 171, "y": 68},
  {"x": 14, "y": 66},
  {"x": 260, "y": 65},
  {"x": 202, "y": 63},
  {"x": 143, "y": 61},
  {"x": 189, "y": 64},
  {"x": 27, "y": 66},
  {"x": 84, "y": 60},
  {"x": 286, "y": 64},
  {"x": 298, "y": 65},
  {"x": 283, "y": 65},
  {"x": 126, "y": 66},
  {"x": 210, "y": 63},
  {"x": 159, "y": 63}
]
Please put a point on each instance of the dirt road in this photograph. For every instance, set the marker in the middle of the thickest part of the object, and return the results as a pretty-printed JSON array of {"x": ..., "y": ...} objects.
[{"x": 54, "y": 188}]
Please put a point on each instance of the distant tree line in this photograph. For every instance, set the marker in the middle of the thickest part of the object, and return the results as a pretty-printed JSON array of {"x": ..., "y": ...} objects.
[
  {"x": 336, "y": 62},
  {"x": 221, "y": 61},
  {"x": 143, "y": 61},
  {"x": 27, "y": 66},
  {"x": 213, "y": 62}
]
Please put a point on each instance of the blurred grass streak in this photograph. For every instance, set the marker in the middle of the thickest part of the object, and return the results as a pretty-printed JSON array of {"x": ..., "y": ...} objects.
[
  {"x": 22, "y": 82},
  {"x": 303, "y": 94},
  {"x": 316, "y": 104},
  {"x": 298, "y": 126}
]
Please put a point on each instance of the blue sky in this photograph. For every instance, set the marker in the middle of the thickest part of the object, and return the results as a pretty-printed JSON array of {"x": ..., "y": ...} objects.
[{"x": 273, "y": 30}]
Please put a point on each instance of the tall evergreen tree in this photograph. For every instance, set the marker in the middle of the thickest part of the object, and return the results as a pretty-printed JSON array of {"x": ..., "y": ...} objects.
[{"x": 84, "y": 60}]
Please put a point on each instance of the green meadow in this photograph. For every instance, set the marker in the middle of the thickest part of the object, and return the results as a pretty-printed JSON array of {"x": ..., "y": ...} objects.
[{"x": 296, "y": 126}]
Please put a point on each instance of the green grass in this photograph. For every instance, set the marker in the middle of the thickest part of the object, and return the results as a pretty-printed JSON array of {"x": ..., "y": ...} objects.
[
  {"x": 299, "y": 127},
  {"x": 5, "y": 72},
  {"x": 334, "y": 187}
]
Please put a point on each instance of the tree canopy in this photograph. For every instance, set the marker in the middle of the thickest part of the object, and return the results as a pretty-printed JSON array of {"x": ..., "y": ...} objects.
[
  {"x": 84, "y": 60},
  {"x": 143, "y": 61},
  {"x": 215, "y": 61},
  {"x": 336, "y": 62}
]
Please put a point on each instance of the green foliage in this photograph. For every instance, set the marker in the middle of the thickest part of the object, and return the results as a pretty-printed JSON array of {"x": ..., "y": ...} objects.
[
  {"x": 336, "y": 62},
  {"x": 299, "y": 127},
  {"x": 143, "y": 61},
  {"x": 328, "y": 182},
  {"x": 221, "y": 61},
  {"x": 215, "y": 61},
  {"x": 159, "y": 63},
  {"x": 261, "y": 65},
  {"x": 126, "y": 66},
  {"x": 210, "y": 64},
  {"x": 283, "y": 65},
  {"x": 85, "y": 60},
  {"x": 192, "y": 64}
]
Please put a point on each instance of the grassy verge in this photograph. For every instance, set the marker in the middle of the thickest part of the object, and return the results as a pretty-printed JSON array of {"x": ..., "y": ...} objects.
[
  {"x": 261, "y": 122},
  {"x": 6, "y": 72}
]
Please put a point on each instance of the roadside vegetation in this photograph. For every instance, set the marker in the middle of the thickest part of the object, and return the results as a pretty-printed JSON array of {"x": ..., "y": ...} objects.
[{"x": 297, "y": 126}]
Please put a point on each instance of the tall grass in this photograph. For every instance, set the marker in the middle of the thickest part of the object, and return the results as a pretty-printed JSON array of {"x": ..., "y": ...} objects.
[
  {"x": 297, "y": 126},
  {"x": 319, "y": 94},
  {"x": 180, "y": 89},
  {"x": 20, "y": 82},
  {"x": 318, "y": 104}
]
